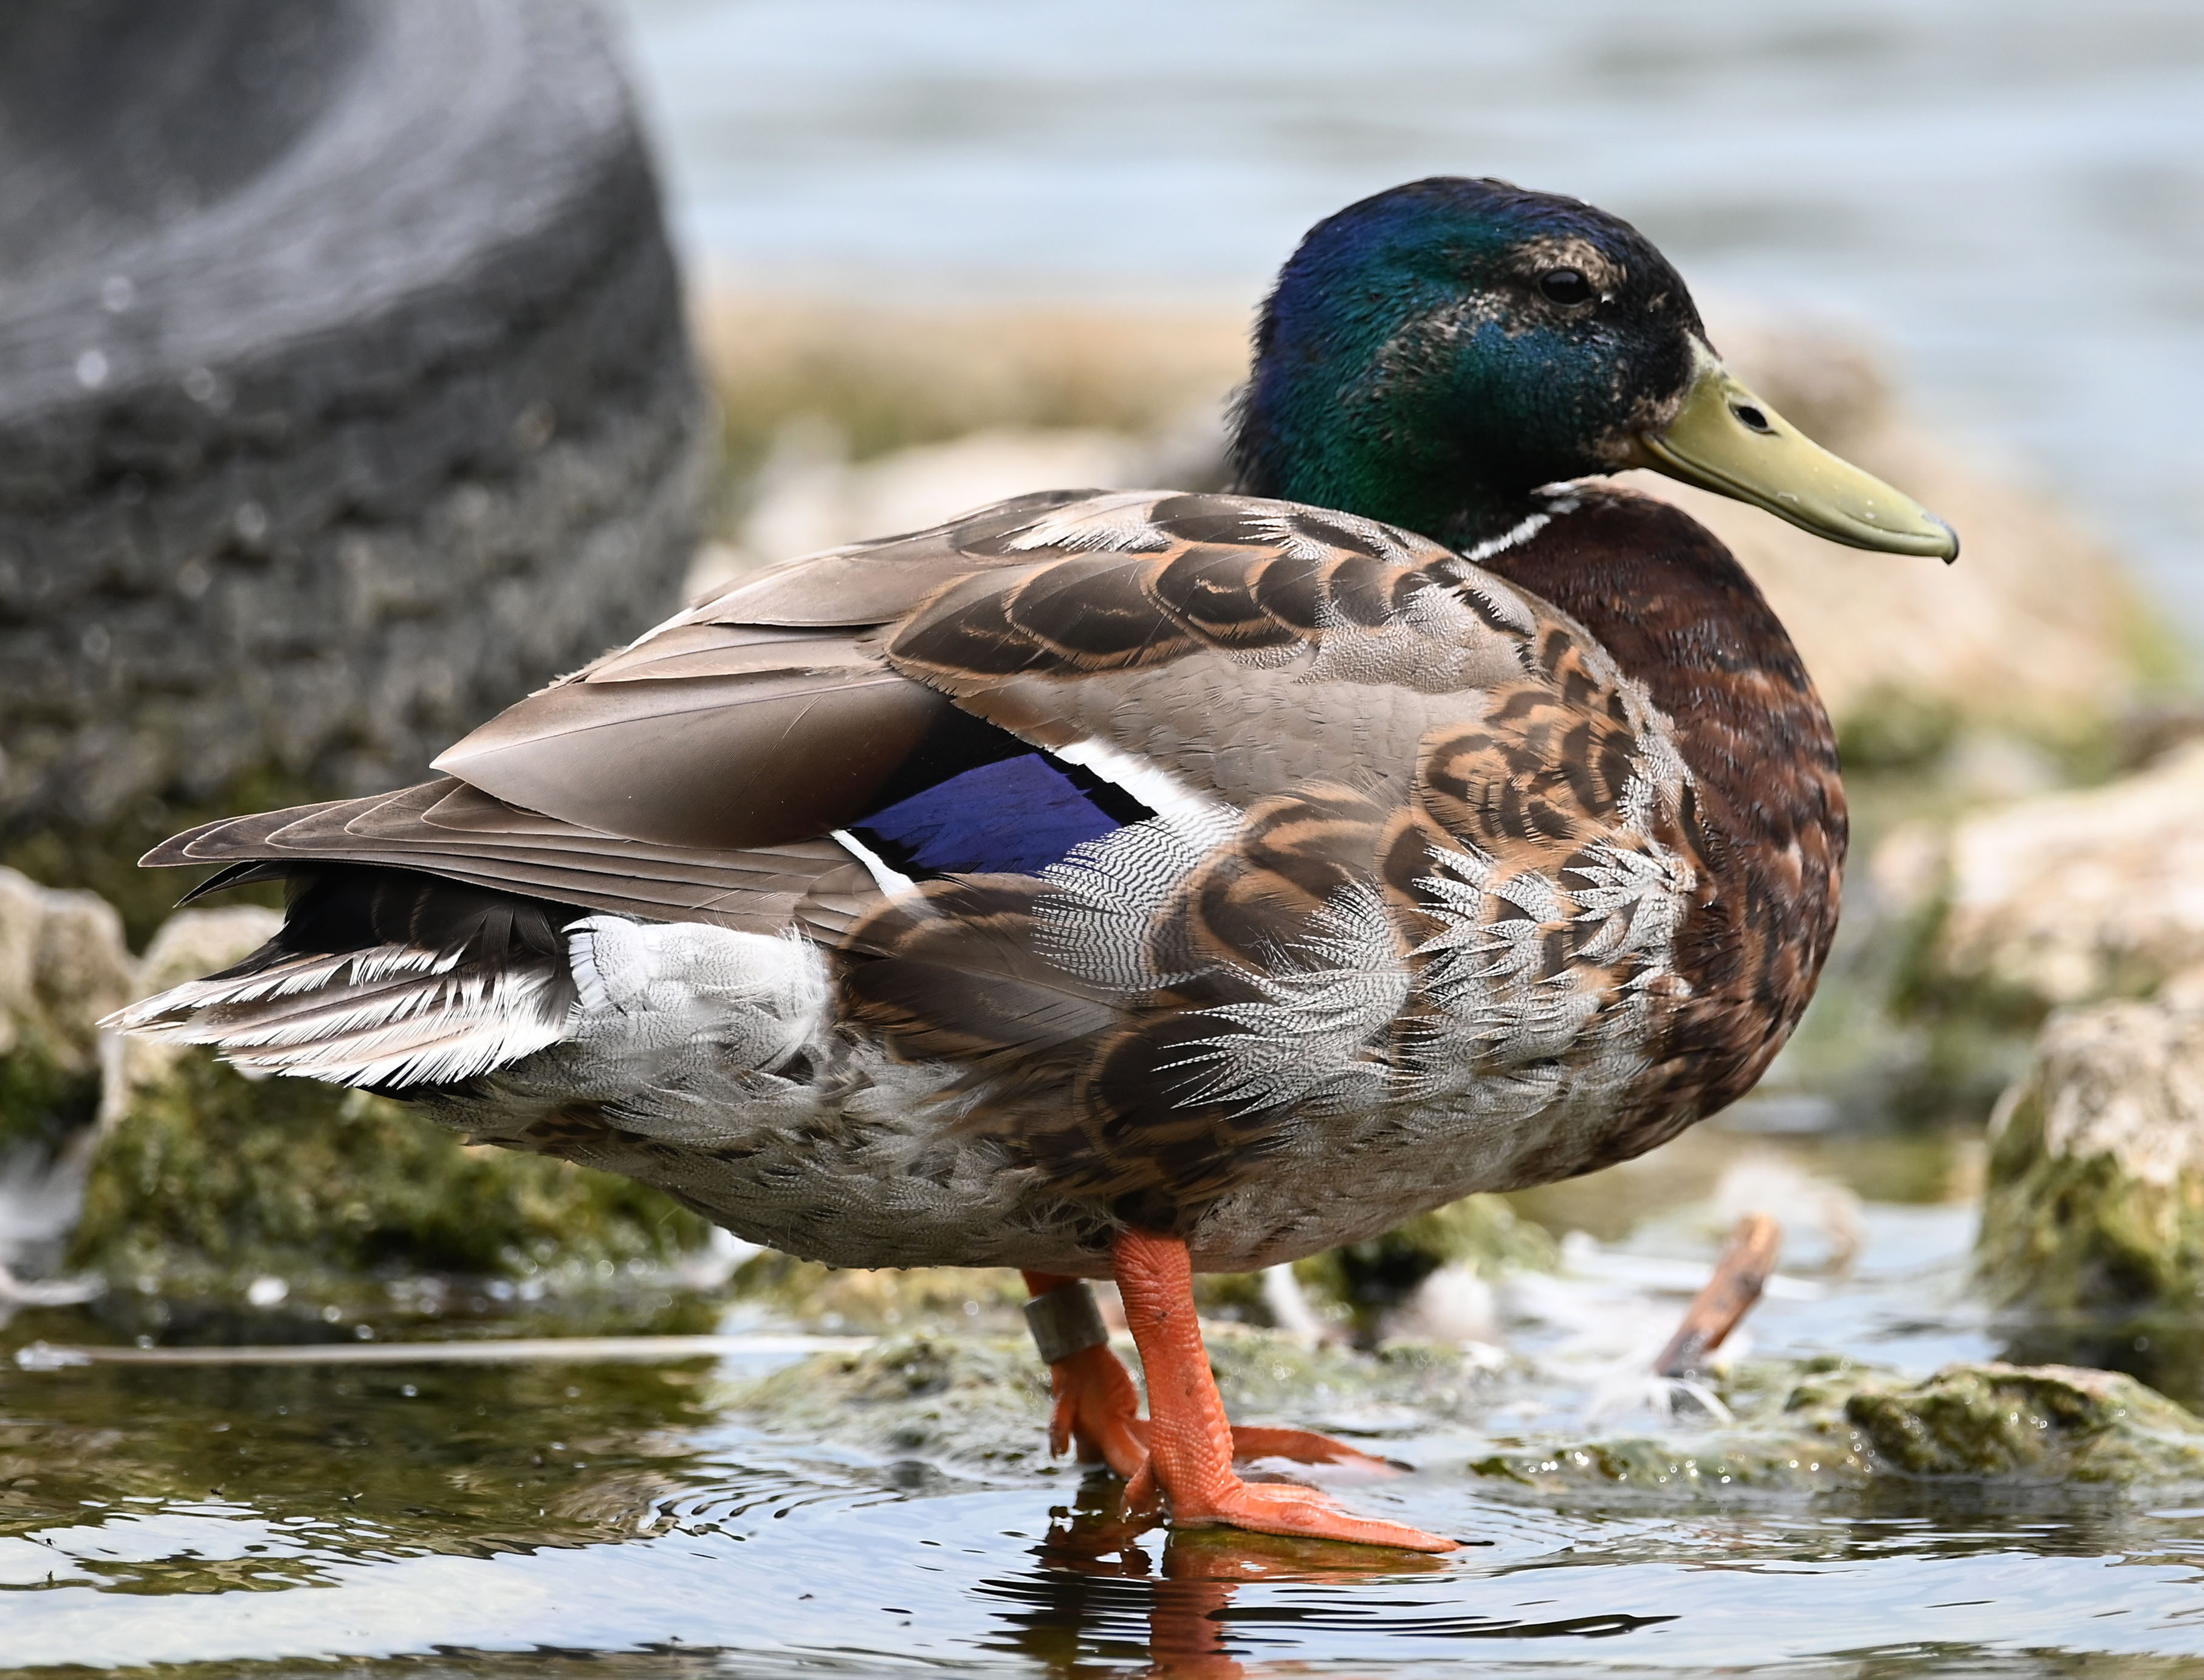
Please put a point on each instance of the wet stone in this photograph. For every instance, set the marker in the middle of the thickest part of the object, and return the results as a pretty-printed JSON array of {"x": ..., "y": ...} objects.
[
  {"x": 1827, "y": 1425},
  {"x": 982, "y": 1402},
  {"x": 62, "y": 966},
  {"x": 2095, "y": 1196},
  {"x": 206, "y": 1184}
]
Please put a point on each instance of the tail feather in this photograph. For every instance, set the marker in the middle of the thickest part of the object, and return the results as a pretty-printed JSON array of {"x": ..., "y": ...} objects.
[
  {"x": 386, "y": 1017},
  {"x": 383, "y": 979}
]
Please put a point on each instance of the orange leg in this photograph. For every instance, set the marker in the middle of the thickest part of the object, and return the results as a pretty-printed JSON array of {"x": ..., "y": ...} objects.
[
  {"x": 1098, "y": 1410},
  {"x": 1190, "y": 1445},
  {"x": 1097, "y": 1407}
]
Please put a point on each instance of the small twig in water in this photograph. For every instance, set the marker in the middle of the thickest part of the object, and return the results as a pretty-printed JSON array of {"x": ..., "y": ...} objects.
[{"x": 1740, "y": 1274}]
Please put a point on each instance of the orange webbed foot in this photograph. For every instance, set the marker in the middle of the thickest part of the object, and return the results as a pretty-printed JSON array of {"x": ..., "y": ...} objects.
[
  {"x": 1251, "y": 1442},
  {"x": 1098, "y": 1411},
  {"x": 1270, "y": 1508},
  {"x": 1191, "y": 1446}
]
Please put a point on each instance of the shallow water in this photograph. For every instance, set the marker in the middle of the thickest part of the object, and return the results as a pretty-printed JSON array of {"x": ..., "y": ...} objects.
[
  {"x": 2009, "y": 193},
  {"x": 620, "y": 1519}
]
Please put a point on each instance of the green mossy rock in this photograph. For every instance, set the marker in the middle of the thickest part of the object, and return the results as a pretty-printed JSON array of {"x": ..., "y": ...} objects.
[
  {"x": 988, "y": 1299},
  {"x": 2032, "y": 1423},
  {"x": 1481, "y": 1232},
  {"x": 207, "y": 1181},
  {"x": 1828, "y": 1425},
  {"x": 982, "y": 1402},
  {"x": 204, "y": 1180},
  {"x": 42, "y": 1102},
  {"x": 2095, "y": 1200},
  {"x": 1360, "y": 1284},
  {"x": 62, "y": 966}
]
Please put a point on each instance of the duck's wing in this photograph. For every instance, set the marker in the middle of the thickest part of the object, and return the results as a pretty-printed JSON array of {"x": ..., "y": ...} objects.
[
  {"x": 448, "y": 829},
  {"x": 1175, "y": 645},
  {"x": 995, "y": 693}
]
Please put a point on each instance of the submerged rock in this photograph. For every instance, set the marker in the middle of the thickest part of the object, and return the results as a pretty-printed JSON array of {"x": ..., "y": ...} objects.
[
  {"x": 978, "y": 1401},
  {"x": 1829, "y": 1425},
  {"x": 2095, "y": 1194}
]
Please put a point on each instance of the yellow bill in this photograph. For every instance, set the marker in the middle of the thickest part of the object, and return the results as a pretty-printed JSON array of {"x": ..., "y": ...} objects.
[{"x": 1726, "y": 439}]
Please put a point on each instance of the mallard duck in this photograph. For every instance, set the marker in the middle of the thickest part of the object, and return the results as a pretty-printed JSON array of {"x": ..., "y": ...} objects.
[{"x": 1131, "y": 884}]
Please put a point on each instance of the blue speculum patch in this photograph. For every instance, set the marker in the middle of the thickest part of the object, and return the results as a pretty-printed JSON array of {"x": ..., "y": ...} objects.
[{"x": 1013, "y": 817}]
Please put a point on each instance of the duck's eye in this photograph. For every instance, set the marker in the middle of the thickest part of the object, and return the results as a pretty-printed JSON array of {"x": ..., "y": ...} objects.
[{"x": 1566, "y": 286}]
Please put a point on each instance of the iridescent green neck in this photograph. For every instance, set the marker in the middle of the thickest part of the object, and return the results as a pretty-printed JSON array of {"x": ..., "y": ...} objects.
[
  {"x": 1355, "y": 457},
  {"x": 1401, "y": 414}
]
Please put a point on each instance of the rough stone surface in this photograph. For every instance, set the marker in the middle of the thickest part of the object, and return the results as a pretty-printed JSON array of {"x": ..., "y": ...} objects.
[
  {"x": 1828, "y": 1425},
  {"x": 202, "y": 1180},
  {"x": 62, "y": 966},
  {"x": 2095, "y": 1192},
  {"x": 982, "y": 1401},
  {"x": 206, "y": 1181},
  {"x": 330, "y": 427},
  {"x": 2075, "y": 897}
]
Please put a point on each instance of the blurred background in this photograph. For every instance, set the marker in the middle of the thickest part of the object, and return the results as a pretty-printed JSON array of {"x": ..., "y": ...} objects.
[
  {"x": 2006, "y": 199},
  {"x": 365, "y": 364}
]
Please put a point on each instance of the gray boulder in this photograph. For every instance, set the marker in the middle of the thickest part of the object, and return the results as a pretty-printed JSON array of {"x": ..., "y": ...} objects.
[{"x": 345, "y": 394}]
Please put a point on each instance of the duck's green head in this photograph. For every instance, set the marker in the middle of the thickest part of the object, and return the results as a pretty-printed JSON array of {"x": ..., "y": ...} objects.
[{"x": 1433, "y": 355}]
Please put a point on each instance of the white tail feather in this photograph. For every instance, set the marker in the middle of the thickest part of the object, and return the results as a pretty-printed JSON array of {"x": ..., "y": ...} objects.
[{"x": 389, "y": 1015}]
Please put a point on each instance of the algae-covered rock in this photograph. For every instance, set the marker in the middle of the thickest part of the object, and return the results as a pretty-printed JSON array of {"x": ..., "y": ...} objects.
[
  {"x": 62, "y": 966},
  {"x": 207, "y": 1181},
  {"x": 204, "y": 1180},
  {"x": 2094, "y": 1198},
  {"x": 975, "y": 1400},
  {"x": 1827, "y": 1425},
  {"x": 983, "y": 1401},
  {"x": 986, "y": 1298},
  {"x": 2036, "y": 1423}
]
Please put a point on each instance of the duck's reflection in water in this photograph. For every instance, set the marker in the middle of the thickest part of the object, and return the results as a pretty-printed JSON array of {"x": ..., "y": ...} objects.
[{"x": 1108, "y": 1588}]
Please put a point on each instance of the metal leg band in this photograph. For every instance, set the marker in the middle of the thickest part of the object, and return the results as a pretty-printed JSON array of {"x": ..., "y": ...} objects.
[{"x": 1065, "y": 1322}]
